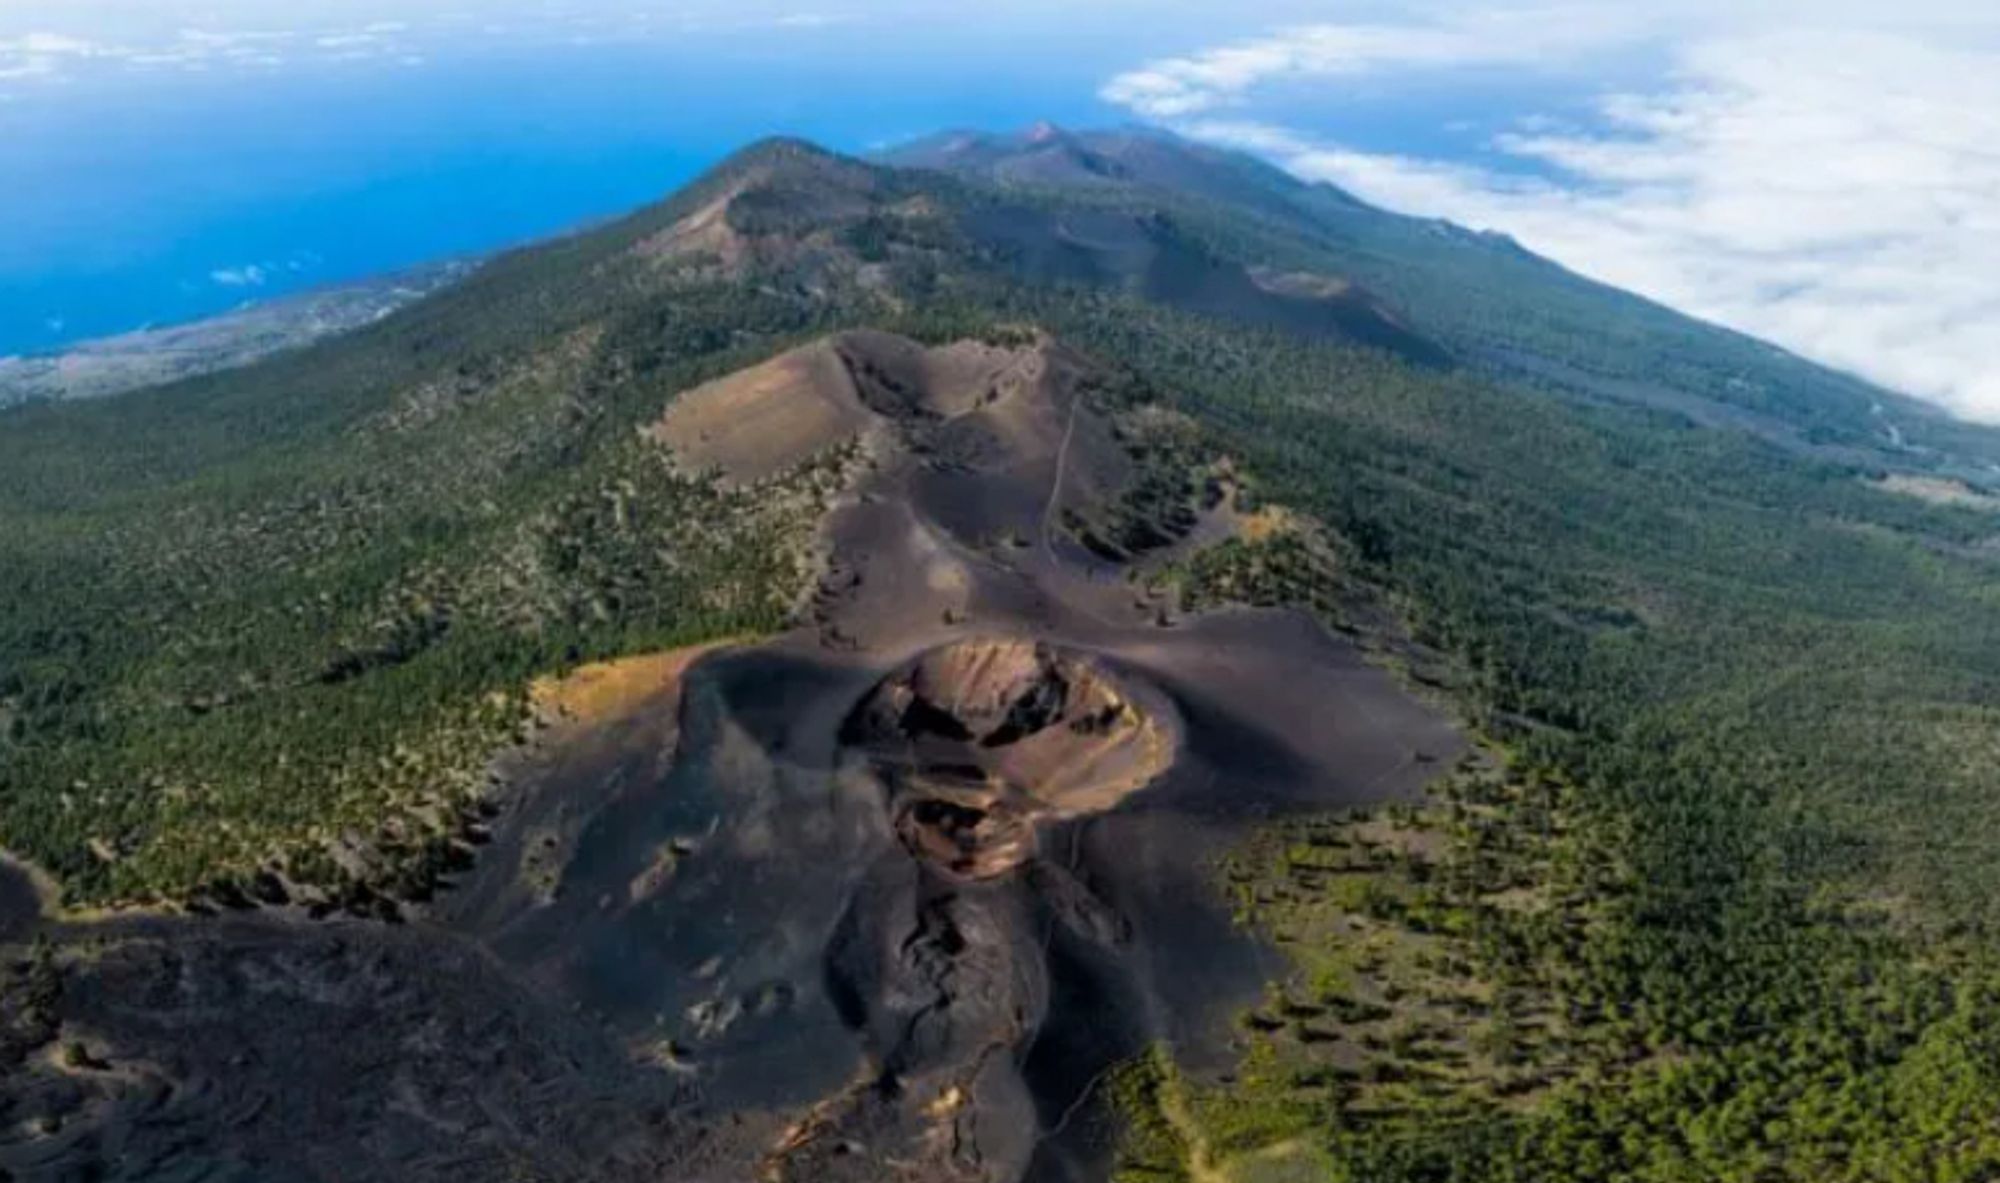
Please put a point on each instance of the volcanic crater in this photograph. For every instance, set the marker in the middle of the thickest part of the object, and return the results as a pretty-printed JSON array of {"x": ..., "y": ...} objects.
[
  {"x": 980, "y": 743},
  {"x": 886, "y": 896}
]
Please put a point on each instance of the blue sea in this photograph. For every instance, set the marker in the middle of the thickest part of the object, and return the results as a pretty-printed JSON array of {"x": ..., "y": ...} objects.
[{"x": 132, "y": 197}]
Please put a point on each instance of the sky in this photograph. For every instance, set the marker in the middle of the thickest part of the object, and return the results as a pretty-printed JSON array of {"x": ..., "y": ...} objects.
[{"x": 1824, "y": 174}]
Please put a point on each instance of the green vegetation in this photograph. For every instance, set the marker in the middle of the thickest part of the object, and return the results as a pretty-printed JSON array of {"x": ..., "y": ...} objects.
[
  {"x": 1717, "y": 905},
  {"x": 1724, "y": 908},
  {"x": 280, "y": 619},
  {"x": 1446, "y": 1021},
  {"x": 1749, "y": 702}
]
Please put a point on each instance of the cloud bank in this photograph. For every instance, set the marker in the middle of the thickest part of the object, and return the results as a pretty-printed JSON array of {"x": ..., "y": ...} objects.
[
  {"x": 1833, "y": 186},
  {"x": 65, "y": 42},
  {"x": 1228, "y": 75}
]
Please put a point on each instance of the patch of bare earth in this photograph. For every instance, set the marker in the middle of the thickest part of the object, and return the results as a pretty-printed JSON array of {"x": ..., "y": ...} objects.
[{"x": 1938, "y": 491}]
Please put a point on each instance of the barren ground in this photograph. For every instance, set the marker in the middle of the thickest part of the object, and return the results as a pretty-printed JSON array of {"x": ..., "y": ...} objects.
[{"x": 883, "y": 897}]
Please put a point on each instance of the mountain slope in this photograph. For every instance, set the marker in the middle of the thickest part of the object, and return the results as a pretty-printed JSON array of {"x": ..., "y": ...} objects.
[
  {"x": 1713, "y": 903},
  {"x": 1489, "y": 301}
]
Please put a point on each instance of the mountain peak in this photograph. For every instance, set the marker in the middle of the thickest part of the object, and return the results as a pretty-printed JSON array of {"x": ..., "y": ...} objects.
[
  {"x": 777, "y": 152},
  {"x": 796, "y": 166}
]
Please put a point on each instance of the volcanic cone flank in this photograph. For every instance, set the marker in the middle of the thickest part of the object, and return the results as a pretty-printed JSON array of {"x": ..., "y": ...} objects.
[{"x": 977, "y": 740}]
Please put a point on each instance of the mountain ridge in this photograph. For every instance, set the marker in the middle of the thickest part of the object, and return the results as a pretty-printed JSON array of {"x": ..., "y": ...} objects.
[
  {"x": 829, "y": 845},
  {"x": 1360, "y": 232}
]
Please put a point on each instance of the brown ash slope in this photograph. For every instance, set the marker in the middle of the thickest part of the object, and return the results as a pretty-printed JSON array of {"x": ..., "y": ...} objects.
[
  {"x": 923, "y": 871},
  {"x": 883, "y": 897}
]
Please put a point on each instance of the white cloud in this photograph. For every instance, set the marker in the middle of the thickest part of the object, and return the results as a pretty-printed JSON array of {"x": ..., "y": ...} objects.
[
  {"x": 56, "y": 45},
  {"x": 1225, "y": 76},
  {"x": 809, "y": 20},
  {"x": 53, "y": 42},
  {"x": 1836, "y": 190},
  {"x": 253, "y": 275},
  {"x": 44, "y": 55},
  {"x": 230, "y": 41}
]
